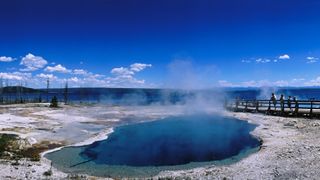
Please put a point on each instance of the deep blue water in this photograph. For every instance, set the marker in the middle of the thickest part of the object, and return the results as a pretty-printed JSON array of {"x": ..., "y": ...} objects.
[
  {"x": 125, "y": 96},
  {"x": 163, "y": 143},
  {"x": 173, "y": 141}
]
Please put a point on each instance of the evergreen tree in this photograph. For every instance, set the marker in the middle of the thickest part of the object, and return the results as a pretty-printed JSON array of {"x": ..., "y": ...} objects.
[
  {"x": 54, "y": 102},
  {"x": 40, "y": 99}
]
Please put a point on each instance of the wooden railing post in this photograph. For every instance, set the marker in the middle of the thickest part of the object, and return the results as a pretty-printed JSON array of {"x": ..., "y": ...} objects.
[
  {"x": 246, "y": 107},
  {"x": 282, "y": 106},
  {"x": 311, "y": 107},
  {"x": 296, "y": 108},
  {"x": 237, "y": 105}
]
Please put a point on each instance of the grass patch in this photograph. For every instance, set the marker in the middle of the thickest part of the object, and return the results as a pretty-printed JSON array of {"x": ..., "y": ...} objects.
[
  {"x": 9, "y": 148},
  {"x": 5, "y": 142},
  {"x": 33, "y": 153}
]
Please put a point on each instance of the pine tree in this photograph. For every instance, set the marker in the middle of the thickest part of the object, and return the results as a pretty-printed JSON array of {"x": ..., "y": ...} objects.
[{"x": 54, "y": 102}]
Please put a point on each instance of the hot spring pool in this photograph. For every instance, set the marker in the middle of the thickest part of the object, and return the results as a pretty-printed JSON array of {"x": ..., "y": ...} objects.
[{"x": 145, "y": 149}]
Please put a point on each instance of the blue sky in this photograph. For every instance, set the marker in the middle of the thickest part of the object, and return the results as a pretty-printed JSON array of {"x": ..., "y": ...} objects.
[{"x": 143, "y": 43}]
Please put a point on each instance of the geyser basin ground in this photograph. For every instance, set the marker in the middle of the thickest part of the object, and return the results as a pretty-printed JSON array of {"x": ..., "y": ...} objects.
[{"x": 145, "y": 149}]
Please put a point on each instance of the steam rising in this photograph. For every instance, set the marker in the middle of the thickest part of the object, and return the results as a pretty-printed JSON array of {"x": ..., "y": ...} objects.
[
  {"x": 187, "y": 85},
  {"x": 265, "y": 92},
  {"x": 184, "y": 74}
]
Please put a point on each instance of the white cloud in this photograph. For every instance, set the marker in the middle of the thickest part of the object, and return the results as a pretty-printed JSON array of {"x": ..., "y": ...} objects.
[
  {"x": 298, "y": 79},
  {"x": 121, "y": 71},
  {"x": 224, "y": 83},
  {"x": 124, "y": 76},
  {"x": 57, "y": 68},
  {"x": 245, "y": 61},
  {"x": 285, "y": 56},
  {"x": 248, "y": 84},
  {"x": 313, "y": 82},
  {"x": 281, "y": 83},
  {"x": 80, "y": 72},
  {"x": 18, "y": 76},
  {"x": 32, "y": 62},
  {"x": 266, "y": 60},
  {"x": 46, "y": 76},
  {"x": 6, "y": 59},
  {"x": 124, "y": 81},
  {"x": 260, "y": 60},
  {"x": 91, "y": 75},
  {"x": 10, "y": 76},
  {"x": 119, "y": 77},
  {"x": 74, "y": 79},
  {"x": 295, "y": 82},
  {"x": 311, "y": 59},
  {"x": 253, "y": 83},
  {"x": 136, "y": 67}
]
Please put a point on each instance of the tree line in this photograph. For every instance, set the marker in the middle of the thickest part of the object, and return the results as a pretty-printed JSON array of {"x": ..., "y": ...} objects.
[{"x": 20, "y": 94}]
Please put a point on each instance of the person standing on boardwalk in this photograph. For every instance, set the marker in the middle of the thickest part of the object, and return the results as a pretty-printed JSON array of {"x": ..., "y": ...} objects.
[
  {"x": 273, "y": 99},
  {"x": 289, "y": 102},
  {"x": 282, "y": 102}
]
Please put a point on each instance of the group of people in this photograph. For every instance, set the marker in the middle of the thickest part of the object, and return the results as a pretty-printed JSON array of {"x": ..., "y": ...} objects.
[{"x": 273, "y": 99}]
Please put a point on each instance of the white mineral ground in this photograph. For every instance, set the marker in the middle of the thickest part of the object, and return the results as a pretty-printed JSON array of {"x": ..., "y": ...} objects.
[{"x": 291, "y": 148}]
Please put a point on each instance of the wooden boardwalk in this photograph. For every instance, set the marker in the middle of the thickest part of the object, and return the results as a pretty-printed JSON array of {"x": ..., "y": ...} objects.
[{"x": 299, "y": 108}]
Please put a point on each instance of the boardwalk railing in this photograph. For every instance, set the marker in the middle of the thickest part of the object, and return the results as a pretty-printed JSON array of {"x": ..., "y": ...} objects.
[{"x": 308, "y": 108}]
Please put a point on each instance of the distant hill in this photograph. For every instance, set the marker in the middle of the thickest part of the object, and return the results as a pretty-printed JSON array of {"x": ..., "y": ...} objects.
[{"x": 17, "y": 89}]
